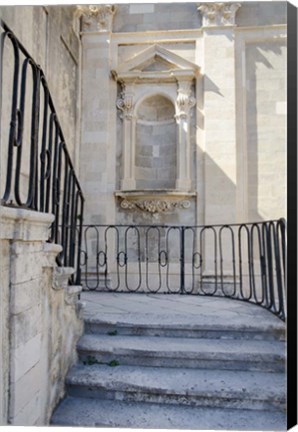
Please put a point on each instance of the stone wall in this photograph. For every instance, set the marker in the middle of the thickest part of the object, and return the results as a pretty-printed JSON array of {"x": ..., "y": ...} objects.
[
  {"x": 261, "y": 100},
  {"x": 154, "y": 17},
  {"x": 228, "y": 140},
  {"x": 40, "y": 319},
  {"x": 266, "y": 128}
]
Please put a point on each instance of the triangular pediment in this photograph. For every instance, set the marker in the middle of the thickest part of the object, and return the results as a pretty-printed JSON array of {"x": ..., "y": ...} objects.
[
  {"x": 156, "y": 59},
  {"x": 156, "y": 64}
]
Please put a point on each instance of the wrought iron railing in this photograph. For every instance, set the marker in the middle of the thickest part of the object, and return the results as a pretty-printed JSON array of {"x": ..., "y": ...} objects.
[
  {"x": 244, "y": 261},
  {"x": 29, "y": 124}
]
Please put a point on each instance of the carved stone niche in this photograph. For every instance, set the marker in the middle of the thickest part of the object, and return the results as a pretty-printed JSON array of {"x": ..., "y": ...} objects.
[{"x": 156, "y": 74}]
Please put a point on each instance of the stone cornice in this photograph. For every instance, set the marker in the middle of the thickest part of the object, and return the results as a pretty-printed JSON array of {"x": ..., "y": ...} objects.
[
  {"x": 96, "y": 18},
  {"x": 23, "y": 224},
  {"x": 218, "y": 14}
]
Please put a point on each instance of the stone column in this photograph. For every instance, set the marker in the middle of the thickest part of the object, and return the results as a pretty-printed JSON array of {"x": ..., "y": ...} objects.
[
  {"x": 96, "y": 173},
  {"x": 184, "y": 103},
  {"x": 125, "y": 104},
  {"x": 219, "y": 111}
]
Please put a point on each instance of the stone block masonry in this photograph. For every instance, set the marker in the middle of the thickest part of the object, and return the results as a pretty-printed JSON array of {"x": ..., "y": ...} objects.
[{"x": 40, "y": 319}]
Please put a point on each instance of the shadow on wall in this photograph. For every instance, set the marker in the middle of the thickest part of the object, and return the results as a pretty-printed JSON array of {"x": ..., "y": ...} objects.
[{"x": 265, "y": 129}]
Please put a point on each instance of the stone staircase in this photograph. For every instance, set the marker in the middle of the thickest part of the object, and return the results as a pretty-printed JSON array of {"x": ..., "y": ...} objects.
[{"x": 219, "y": 375}]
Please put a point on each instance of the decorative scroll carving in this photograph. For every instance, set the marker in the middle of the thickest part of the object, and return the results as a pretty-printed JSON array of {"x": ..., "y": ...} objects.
[
  {"x": 218, "y": 14},
  {"x": 97, "y": 17},
  {"x": 61, "y": 277},
  {"x": 184, "y": 99},
  {"x": 155, "y": 206},
  {"x": 125, "y": 103}
]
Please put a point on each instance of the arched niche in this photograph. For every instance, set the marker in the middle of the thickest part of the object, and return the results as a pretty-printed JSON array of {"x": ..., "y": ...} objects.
[
  {"x": 155, "y": 144},
  {"x": 156, "y": 102}
]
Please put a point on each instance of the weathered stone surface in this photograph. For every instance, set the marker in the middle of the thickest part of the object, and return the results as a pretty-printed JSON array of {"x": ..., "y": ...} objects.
[
  {"x": 4, "y": 328},
  {"x": 39, "y": 325},
  {"x": 196, "y": 387},
  {"x": 237, "y": 373},
  {"x": 25, "y": 356},
  {"x": 182, "y": 352},
  {"x": 157, "y": 314},
  {"x": 103, "y": 413}
]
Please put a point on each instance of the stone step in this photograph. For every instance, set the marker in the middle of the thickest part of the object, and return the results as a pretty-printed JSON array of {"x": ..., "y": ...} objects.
[
  {"x": 205, "y": 388},
  {"x": 147, "y": 327},
  {"x": 182, "y": 352},
  {"x": 179, "y": 316},
  {"x": 104, "y": 413}
]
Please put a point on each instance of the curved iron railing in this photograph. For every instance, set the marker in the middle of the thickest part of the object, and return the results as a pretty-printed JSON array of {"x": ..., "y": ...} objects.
[
  {"x": 238, "y": 261},
  {"x": 47, "y": 182}
]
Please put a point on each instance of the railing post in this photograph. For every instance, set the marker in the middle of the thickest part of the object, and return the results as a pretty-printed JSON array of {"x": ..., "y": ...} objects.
[{"x": 182, "y": 260}]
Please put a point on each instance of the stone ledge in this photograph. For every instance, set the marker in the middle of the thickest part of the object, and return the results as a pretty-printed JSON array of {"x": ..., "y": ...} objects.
[{"x": 23, "y": 224}]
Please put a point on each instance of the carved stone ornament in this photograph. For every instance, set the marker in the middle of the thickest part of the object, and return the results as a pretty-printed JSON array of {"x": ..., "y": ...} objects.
[
  {"x": 155, "y": 206},
  {"x": 184, "y": 99},
  {"x": 97, "y": 17},
  {"x": 218, "y": 14},
  {"x": 61, "y": 277},
  {"x": 125, "y": 103}
]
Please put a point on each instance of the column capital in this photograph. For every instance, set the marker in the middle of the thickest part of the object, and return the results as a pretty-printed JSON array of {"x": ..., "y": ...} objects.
[
  {"x": 96, "y": 17},
  {"x": 218, "y": 14},
  {"x": 125, "y": 103},
  {"x": 184, "y": 99}
]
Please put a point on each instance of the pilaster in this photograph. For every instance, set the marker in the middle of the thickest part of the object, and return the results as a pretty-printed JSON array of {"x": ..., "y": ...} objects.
[
  {"x": 219, "y": 111},
  {"x": 125, "y": 104},
  {"x": 184, "y": 104},
  {"x": 96, "y": 169}
]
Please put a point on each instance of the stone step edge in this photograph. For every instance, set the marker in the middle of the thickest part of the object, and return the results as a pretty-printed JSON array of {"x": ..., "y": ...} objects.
[
  {"x": 202, "y": 400},
  {"x": 126, "y": 387},
  {"x": 99, "y": 344},
  {"x": 100, "y": 327},
  {"x": 75, "y": 411}
]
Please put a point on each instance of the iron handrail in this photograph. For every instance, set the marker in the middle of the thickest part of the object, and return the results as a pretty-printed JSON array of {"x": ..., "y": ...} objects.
[{"x": 52, "y": 185}]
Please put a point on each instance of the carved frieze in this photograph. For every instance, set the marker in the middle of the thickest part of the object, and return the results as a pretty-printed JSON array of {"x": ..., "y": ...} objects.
[
  {"x": 155, "y": 206},
  {"x": 218, "y": 14},
  {"x": 97, "y": 17},
  {"x": 154, "y": 202}
]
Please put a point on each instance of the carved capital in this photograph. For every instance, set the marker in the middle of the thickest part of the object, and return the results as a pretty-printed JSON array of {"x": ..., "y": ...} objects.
[
  {"x": 218, "y": 14},
  {"x": 184, "y": 99},
  {"x": 96, "y": 17},
  {"x": 125, "y": 103}
]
